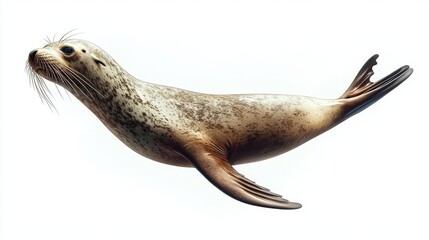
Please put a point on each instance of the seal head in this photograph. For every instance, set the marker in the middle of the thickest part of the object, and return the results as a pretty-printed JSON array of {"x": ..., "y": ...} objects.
[{"x": 69, "y": 64}]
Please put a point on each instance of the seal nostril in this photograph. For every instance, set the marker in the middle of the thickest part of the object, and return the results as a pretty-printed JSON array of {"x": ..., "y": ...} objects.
[{"x": 32, "y": 54}]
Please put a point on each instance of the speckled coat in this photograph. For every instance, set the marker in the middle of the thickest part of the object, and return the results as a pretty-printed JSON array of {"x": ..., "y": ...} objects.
[{"x": 208, "y": 132}]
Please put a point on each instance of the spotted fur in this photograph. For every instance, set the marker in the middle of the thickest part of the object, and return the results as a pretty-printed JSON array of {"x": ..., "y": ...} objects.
[{"x": 205, "y": 131}]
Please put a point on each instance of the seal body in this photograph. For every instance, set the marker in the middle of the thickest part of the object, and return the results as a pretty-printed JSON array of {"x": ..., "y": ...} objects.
[
  {"x": 161, "y": 120},
  {"x": 209, "y": 132}
]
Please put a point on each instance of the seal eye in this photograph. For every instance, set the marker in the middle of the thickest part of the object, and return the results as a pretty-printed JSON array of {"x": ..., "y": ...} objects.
[{"x": 67, "y": 50}]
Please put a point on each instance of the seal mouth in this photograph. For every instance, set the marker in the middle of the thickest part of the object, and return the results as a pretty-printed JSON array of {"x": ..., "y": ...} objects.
[
  {"x": 33, "y": 64},
  {"x": 39, "y": 70}
]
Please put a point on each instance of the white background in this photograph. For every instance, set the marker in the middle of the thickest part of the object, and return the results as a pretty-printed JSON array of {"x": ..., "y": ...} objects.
[{"x": 65, "y": 176}]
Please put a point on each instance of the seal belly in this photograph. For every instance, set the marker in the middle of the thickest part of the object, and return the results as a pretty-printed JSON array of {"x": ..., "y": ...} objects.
[{"x": 250, "y": 128}]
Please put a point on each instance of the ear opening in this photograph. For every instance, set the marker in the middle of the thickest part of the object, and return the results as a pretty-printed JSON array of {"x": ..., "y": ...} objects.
[{"x": 98, "y": 61}]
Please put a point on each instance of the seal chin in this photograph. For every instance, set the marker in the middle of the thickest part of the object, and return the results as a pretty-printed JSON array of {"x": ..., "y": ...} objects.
[
  {"x": 39, "y": 71},
  {"x": 44, "y": 73}
]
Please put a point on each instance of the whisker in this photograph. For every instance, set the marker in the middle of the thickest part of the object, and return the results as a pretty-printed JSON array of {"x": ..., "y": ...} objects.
[
  {"x": 41, "y": 88},
  {"x": 69, "y": 75},
  {"x": 47, "y": 39},
  {"x": 72, "y": 35},
  {"x": 46, "y": 66},
  {"x": 67, "y": 35},
  {"x": 82, "y": 80},
  {"x": 60, "y": 76},
  {"x": 57, "y": 76},
  {"x": 44, "y": 92},
  {"x": 53, "y": 38},
  {"x": 30, "y": 73},
  {"x": 85, "y": 81},
  {"x": 64, "y": 76}
]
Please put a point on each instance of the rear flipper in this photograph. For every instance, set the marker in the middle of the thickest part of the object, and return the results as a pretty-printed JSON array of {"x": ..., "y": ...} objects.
[{"x": 362, "y": 92}]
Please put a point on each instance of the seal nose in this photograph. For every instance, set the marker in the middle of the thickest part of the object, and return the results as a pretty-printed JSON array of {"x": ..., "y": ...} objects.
[{"x": 32, "y": 55}]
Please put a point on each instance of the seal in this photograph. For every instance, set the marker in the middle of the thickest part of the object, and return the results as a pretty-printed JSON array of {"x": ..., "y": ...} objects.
[{"x": 189, "y": 129}]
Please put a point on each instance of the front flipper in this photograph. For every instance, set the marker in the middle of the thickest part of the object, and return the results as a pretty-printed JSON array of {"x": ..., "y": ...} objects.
[{"x": 217, "y": 169}]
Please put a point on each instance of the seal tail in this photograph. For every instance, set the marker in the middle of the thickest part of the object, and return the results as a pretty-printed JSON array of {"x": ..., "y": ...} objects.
[{"x": 362, "y": 92}]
